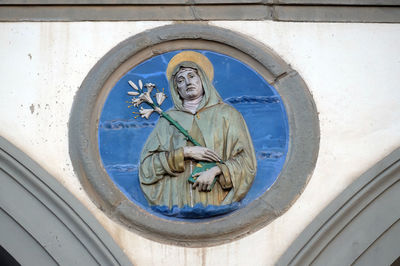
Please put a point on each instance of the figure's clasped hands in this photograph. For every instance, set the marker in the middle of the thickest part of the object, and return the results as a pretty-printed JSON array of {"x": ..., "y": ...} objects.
[{"x": 205, "y": 179}]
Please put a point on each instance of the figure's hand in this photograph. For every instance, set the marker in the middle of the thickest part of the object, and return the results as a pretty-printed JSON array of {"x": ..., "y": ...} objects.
[
  {"x": 201, "y": 154},
  {"x": 205, "y": 179}
]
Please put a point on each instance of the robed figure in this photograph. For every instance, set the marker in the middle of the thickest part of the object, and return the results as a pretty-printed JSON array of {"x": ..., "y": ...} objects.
[{"x": 168, "y": 158}]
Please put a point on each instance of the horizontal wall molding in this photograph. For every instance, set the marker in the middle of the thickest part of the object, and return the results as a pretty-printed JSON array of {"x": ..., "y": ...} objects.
[
  {"x": 364, "y": 11},
  {"x": 200, "y": 2}
]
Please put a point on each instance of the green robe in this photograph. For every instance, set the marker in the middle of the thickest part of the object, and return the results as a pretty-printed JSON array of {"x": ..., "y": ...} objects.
[{"x": 218, "y": 126}]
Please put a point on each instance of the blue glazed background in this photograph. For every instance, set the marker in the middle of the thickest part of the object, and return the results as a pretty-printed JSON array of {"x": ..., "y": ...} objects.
[{"x": 121, "y": 137}]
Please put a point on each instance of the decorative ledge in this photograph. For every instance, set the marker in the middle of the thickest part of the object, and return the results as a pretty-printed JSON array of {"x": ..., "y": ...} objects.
[{"x": 367, "y": 11}]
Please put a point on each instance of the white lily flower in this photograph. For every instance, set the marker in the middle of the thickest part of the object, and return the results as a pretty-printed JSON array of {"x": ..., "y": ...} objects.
[
  {"x": 133, "y": 85},
  {"x": 136, "y": 101},
  {"x": 140, "y": 84},
  {"x": 133, "y": 93},
  {"x": 150, "y": 86},
  {"x": 160, "y": 97},
  {"x": 145, "y": 113},
  {"x": 146, "y": 97}
]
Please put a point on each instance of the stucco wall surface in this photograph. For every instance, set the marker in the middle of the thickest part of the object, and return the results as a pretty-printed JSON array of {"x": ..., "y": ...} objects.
[{"x": 352, "y": 71}]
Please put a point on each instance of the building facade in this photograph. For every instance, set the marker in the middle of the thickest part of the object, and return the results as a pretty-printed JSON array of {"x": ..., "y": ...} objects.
[{"x": 336, "y": 64}]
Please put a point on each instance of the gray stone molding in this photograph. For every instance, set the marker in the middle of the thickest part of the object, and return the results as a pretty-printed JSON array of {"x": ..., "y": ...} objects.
[
  {"x": 360, "y": 227},
  {"x": 300, "y": 161},
  {"x": 202, "y": 2},
  {"x": 41, "y": 223},
  {"x": 368, "y": 11}
]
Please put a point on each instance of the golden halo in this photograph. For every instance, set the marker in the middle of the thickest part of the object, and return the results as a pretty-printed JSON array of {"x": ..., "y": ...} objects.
[{"x": 201, "y": 60}]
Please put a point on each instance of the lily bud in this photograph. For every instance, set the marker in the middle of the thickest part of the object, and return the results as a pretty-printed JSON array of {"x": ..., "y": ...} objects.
[
  {"x": 133, "y": 85},
  {"x": 133, "y": 93}
]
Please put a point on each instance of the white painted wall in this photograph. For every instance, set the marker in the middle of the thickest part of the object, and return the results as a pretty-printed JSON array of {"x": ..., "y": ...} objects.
[{"x": 352, "y": 70}]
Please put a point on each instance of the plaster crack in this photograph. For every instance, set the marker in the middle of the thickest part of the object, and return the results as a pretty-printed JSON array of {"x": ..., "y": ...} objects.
[{"x": 195, "y": 15}]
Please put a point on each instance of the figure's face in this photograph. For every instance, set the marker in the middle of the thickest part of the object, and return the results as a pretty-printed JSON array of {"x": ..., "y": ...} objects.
[{"x": 189, "y": 84}]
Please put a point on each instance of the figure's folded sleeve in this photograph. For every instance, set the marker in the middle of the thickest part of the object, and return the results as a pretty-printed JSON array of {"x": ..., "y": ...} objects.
[
  {"x": 225, "y": 178},
  {"x": 176, "y": 160}
]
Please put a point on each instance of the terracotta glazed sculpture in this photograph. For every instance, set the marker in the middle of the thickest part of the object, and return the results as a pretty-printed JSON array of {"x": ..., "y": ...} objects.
[{"x": 168, "y": 158}]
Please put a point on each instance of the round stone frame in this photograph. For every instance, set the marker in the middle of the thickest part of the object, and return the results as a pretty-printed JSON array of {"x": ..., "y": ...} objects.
[{"x": 303, "y": 127}]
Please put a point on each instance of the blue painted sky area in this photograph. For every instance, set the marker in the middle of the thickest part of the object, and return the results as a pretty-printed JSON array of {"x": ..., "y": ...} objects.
[{"x": 121, "y": 137}]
